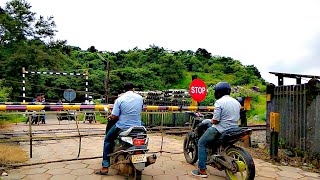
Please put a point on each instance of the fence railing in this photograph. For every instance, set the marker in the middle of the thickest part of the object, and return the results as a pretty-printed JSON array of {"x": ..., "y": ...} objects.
[{"x": 299, "y": 108}]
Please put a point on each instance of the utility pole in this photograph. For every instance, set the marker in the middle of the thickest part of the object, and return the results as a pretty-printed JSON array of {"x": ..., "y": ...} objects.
[{"x": 107, "y": 77}]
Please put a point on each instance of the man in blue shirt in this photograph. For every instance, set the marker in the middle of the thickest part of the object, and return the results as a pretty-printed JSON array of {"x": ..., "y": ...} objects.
[{"x": 127, "y": 112}]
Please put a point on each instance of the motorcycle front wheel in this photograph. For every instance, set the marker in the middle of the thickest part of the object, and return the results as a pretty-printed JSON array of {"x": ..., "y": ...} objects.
[
  {"x": 190, "y": 149},
  {"x": 244, "y": 162}
]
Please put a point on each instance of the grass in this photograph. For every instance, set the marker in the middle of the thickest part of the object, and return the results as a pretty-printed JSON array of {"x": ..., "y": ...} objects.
[
  {"x": 7, "y": 119},
  {"x": 99, "y": 118},
  {"x": 12, "y": 154}
]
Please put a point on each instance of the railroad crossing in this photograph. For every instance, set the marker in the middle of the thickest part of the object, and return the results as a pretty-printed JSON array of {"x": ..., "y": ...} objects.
[{"x": 168, "y": 166}]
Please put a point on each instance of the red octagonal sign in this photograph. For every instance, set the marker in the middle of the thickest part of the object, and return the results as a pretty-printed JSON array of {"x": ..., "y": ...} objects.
[{"x": 198, "y": 90}]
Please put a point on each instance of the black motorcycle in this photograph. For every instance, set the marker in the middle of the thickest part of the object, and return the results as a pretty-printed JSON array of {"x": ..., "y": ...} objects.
[
  {"x": 234, "y": 160},
  {"x": 130, "y": 151},
  {"x": 90, "y": 116}
]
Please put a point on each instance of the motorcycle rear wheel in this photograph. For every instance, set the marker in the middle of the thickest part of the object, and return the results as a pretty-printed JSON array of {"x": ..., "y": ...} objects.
[
  {"x": 246, "y": 167},
  {"x": 190, "y": 149},
  {"x": 136, "y": 174}
]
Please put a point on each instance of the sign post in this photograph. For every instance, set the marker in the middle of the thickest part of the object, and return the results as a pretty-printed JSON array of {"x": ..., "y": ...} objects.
[
  {"x": 69, "y": 94},
  {"x": 198, "y": 90}
]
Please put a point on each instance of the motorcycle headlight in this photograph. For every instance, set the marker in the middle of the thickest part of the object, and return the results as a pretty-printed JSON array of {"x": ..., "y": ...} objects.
[{"x": 127, "y": 139}]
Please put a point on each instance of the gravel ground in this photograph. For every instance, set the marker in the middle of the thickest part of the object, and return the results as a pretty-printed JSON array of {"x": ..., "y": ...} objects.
[{"x": 258, "y": 136}]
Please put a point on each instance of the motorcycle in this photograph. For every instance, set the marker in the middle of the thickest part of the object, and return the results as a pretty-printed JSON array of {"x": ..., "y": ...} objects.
[
  {"x": 234, "y": 160},
  {"x": 130, "y": 151},
  {"x": 90, "y": 116},
  {"x": 67, "y": 115}
]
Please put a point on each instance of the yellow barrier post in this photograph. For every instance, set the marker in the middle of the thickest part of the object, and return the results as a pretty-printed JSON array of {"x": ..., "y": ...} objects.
[{"x": 274, "y": 134}]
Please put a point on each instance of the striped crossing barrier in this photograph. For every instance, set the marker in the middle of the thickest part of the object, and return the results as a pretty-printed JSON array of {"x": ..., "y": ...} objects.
[{"x": 100, "y": 107}]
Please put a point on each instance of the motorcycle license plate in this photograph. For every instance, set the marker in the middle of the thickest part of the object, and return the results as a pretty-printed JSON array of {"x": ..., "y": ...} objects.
[{"x": 138, "y": 158}]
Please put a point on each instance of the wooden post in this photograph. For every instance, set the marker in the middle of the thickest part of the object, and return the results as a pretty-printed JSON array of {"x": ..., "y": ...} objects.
[
  {"x": 298, "y": 80},
  {"x": 174, "y": 119},
  {"x": 280, "y": 80},
  {"x": 30, "y": 136},
  {"x": 193, "y": 102},
  {"x": 270, "y": 93}
]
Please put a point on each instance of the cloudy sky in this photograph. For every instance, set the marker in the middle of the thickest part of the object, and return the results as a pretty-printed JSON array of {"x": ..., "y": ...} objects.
[{"x": 273, "y": 35}]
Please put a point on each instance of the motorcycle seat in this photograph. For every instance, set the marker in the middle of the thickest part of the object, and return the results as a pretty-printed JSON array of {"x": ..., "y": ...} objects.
[
  {"x": 134, "y": 130},
  {"x": 234, "y": 133}
]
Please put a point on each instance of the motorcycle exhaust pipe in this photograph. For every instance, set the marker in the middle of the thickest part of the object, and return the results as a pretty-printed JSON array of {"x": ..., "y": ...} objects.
[{"x": 151, "y": 159}]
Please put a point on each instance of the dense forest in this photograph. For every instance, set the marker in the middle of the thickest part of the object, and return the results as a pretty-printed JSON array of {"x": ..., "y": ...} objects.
[{"x": 28, "y": 40}]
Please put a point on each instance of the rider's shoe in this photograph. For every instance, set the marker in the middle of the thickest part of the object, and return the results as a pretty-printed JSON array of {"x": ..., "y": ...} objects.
[{"x": 200, "y": 173}]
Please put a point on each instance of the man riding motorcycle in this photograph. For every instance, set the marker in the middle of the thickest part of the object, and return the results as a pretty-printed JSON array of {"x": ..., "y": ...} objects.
[
  {"x": 127, "y": 112},
  {"x": 226, "y": 115}
]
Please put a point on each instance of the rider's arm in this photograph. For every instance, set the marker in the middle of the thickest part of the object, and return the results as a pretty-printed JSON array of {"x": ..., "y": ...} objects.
[
  {"x": 113, "y": 117},
  {"x": 116, "y": 110},
  {"x": 216, "y": 113}
]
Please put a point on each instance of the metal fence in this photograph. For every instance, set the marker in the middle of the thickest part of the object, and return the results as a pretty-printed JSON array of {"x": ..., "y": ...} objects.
[{"x": 299, "y": 108}]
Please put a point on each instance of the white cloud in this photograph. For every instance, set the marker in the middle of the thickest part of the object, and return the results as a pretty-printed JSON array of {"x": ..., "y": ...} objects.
[{"x": 272, "y": 35}]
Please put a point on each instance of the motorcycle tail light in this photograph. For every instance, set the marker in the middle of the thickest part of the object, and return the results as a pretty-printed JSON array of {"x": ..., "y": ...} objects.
[{"x": 139, "y": 142}]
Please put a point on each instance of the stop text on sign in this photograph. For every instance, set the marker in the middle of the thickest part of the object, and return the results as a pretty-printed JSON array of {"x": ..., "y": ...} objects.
[{"x": 198, "y": 90}]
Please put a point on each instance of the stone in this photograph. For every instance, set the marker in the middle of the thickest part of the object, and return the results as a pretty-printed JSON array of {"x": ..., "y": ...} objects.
[
  {"x": 34, "y": 171},
  {"x": 54, "y": 165},
  {"x": 166, "y": 177},
  {"x": 37, "y": 176},
  {"x": 58, "y": 171},
  {"x": 308, "y": 178},
  {"x": 63, "y": 177},
  {"x": 261, "y": 178},
  {"x": 80, "y": 172},
  {"x": 176, "y": 172},
  {"x": 153, "y": 172},
  {"x": 211, "y": 177},
  {"x": 92, "y": 161},
  {"x": 289, "y": 168},
  {"x": 290, "y": 174},
  {"x": 94, "y": 166},
  {"x": 14, "y": 176},
  {"x": 285, "y": 178},
  {"x": 89, "y": 177},
  {"x": 267, "y": 174},
  {"x": 115, "y": 177},
  {"x": 145, "y": 177},
  {"x": 188, "y": 177},
  {"x": 310, "y": 174},
  {"x": 272, "y": 169},
  {"x": 76, "y": 166}
]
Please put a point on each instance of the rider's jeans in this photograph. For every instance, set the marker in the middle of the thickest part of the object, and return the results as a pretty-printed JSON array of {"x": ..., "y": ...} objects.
[
  {"x": 109, "y": 139},
  {"x": 210, "y": 135}
]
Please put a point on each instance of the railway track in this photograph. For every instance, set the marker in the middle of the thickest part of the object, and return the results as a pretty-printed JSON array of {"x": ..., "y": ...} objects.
[{"x": 64, "y": 132}]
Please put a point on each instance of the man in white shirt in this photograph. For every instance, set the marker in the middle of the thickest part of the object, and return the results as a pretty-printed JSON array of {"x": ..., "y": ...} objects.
[{"x": 225, "y": 116}]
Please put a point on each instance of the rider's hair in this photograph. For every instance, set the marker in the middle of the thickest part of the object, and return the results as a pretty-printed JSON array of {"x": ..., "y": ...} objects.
[{"x": 128, "y": 86}]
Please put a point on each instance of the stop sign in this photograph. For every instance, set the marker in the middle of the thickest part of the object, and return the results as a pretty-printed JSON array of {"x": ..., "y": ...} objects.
[{"x": 198, "y": 90}]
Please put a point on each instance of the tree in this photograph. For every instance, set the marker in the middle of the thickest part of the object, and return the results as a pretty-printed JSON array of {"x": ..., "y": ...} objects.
[
  {"x": 26, "y": 40},
  {"x": 253, "y": 70},
  {"x": 17, "y": 23}
]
